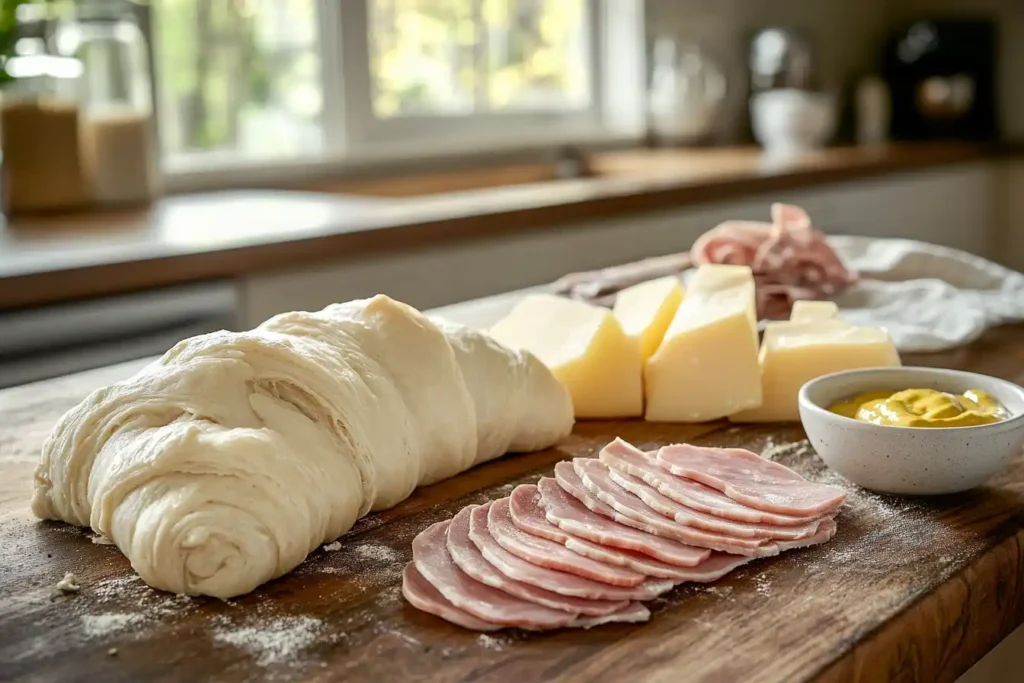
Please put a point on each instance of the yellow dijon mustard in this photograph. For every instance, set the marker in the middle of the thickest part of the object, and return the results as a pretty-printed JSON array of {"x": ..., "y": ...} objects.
[{"x": 922, "y": 408}]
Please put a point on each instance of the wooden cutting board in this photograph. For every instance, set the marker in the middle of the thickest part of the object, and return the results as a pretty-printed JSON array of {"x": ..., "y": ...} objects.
[{"x": 910, "y": 589}]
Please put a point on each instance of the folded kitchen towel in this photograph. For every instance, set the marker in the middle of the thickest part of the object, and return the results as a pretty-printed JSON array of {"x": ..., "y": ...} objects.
[{"x": 929, "y": 297}]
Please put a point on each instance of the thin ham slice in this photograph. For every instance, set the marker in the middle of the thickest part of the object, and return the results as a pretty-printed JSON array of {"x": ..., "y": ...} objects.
[
  {"x": 545, "y": 552},
  {"x": 423, "y": 596},
  {"x": 623, "y": 457},
  {"x": 528, "y": 515},
  {"x": 701, "y": 520},
  {"x": 467, "y": 556},
  {"x": 570, "y": 512},
  {"x": 555, "y": 581},
  {"x": 430, "y": 555},
  {"x": 597, "y": 480},
  {"x": 752, "y": 480},
  {"x": 826, "y": 532}
]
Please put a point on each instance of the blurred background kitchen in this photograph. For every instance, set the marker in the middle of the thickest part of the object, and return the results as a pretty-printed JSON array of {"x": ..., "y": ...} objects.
[{"x": 179, "y": 166}]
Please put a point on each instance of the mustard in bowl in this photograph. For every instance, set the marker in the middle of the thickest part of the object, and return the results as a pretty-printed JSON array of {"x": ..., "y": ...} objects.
[
  {"x": 922, "y": 408},
  {"x": 905, "y": 459}
]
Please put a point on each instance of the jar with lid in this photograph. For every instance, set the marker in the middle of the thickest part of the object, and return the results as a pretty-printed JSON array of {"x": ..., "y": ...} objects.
[{"x": 118, "y": 148}]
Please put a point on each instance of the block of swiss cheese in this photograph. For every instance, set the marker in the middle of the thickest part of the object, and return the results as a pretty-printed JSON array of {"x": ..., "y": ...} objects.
[
  {"x": 706, "y": 366},
  {"x": 584, "y": 346}
]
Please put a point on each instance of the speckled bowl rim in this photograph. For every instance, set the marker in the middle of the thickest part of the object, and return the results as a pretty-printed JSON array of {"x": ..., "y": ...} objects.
[{"x": 1012, "y": 422}]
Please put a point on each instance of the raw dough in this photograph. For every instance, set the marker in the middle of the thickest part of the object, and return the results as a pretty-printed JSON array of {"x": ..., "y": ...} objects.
[{"x": 224, "y": 463}]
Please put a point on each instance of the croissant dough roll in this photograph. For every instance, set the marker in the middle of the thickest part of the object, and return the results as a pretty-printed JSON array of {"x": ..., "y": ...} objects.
[{"x": 224, "y": 463}]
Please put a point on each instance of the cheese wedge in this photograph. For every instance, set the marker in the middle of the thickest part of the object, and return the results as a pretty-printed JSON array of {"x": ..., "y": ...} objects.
[
  {"x": 645, "y": 311},
  {"x": 807, "y": 311},
  {"x": 586, "y": 349},
  {"x": 795, "y": 353},
  {"x": 706, "y": 367}
]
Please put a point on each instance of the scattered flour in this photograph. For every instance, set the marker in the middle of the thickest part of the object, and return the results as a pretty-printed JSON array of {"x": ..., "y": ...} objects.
[
  {"x": 381, "y": 553},
  {"x": 108, "y": 589},
  {"x": 275, "y": 641},
  {"x": 98, "y": 625},
  {"x": 407, "y": 638},
  {"x": 100, "y": 539},
  {"x": 69, "y": 584},
  {"x": 332, "y": 547},
  {"x": 490, "y": 642},
  {"x": 764, "y": 585},
  {"x": 781, "y": 451},
  {"x": 719, "y": 591}
]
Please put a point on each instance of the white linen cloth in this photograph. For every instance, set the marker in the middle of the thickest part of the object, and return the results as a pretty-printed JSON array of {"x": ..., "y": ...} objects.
[{"x": 929, "y": 297}]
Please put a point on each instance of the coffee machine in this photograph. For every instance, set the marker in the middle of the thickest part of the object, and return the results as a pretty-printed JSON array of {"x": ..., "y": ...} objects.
[{"x": 941, "y": 76}]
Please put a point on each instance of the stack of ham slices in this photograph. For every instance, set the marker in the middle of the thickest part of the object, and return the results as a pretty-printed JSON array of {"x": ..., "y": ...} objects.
[
  {"x": 586, "y": 547},
  {"x": 790, "y": 259}
]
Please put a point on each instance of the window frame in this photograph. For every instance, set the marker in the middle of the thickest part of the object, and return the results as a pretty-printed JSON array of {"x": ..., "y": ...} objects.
[{"x": 353, "y": 137}]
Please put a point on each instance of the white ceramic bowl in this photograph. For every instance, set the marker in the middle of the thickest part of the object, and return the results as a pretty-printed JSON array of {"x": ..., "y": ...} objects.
[
  {"x": 792, "y": 121},
  {"x": 911, "y": 460}
]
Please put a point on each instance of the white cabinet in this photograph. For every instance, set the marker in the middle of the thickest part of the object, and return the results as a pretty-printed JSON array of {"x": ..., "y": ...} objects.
[{"x": 953, "y": 205}]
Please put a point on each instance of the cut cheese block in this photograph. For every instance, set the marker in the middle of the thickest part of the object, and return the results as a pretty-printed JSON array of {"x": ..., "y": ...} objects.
[
  {"x": 586, "y": 349},
  {"x": 795, "y": 353},
  {"x": 706, "y": 366},
  {"x": 646, "y": 310},
  {"x": 808, "y": 311}
]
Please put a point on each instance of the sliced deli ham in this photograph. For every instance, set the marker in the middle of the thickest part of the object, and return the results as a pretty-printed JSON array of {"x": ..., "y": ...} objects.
[
  {"x": 563, "y": 508},
  {"x": 752, "y": 480},
  {"x": 555, "y": 581},
  {"x": 423, "y": 596},
  {"x": 598, "y": 481},
  {"x": 545, "y": 552},
  {"x": 790, "y": 259},
  {"x": 471, "y": 561},
  {"x": 701, "y": 520},
  {"x": 582, "y": 548},
  {"x": 528, "y": 514},
  {"x": 624, "y": 457},
  {"x": 430, "y": 555}
]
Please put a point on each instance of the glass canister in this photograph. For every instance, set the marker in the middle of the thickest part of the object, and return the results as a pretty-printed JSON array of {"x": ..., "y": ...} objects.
[
  {"x": 686, "y": 93},
  {"x": 118, "y": 148}
]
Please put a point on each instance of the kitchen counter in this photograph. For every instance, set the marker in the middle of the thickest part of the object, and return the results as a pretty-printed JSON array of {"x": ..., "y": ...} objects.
[
  {"x": 910, "y": 589},
  {"x": 230, "y": 234}
]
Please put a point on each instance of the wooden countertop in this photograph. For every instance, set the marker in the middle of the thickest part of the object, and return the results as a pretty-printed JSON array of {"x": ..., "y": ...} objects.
[
  {"x": 227, "y": 234},
  {"x": 909, "y": 590}
]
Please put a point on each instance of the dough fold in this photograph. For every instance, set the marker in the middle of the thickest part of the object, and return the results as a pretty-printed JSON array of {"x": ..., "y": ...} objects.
[{"x": 227, "y": 461}]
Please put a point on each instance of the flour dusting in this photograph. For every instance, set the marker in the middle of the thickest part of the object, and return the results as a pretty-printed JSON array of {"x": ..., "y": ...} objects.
[
  {"x": 100, "y": 539},
  {"x": 275, "y": 641},
  {"x": 380, "y": 553},
  {"x": 99, "y": 625},
  {"x": 490, "y": 642},
  {"x": 332, "y": 547}
]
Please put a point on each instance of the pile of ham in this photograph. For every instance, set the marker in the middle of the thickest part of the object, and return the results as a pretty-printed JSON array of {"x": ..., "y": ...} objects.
[
  {"x": 790, "y": 259},
  {"x": 587, "y": 546}
]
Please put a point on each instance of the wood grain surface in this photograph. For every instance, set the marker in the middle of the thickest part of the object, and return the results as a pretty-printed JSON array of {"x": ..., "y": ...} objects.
[
  {"x": 909, "y": 590},
  {"x": 206, "y": 236}
]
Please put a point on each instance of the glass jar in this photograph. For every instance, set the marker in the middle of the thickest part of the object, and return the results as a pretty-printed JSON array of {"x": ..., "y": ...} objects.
[
  {"x": 118, "y": 148},
  {"x": 39, "y": 131},
  {"x": 686, "y": 93}
]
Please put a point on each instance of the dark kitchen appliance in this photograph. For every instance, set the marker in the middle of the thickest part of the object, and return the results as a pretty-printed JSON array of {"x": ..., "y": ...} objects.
[{"x": 941, "y": 75}]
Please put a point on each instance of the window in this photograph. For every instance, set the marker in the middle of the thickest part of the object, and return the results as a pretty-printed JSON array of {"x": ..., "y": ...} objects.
[
  {"x": 238, "y": 77},
  {"x": 458, "y": 57},
  {"x": 262, "y": 84}
]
